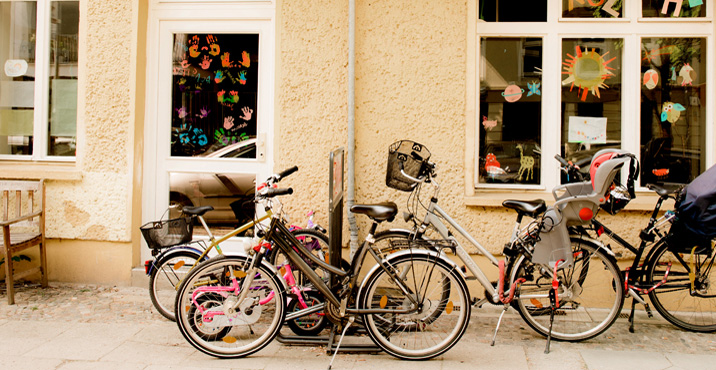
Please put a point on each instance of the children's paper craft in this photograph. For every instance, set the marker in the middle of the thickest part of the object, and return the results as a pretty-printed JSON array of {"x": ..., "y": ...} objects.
[{"x": 587, "y": 130}]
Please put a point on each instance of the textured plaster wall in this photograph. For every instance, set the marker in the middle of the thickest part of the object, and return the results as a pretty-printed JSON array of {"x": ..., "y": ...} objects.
[
  {"x": 411, "y": 59},
  {"x": 97, "y": 207}
]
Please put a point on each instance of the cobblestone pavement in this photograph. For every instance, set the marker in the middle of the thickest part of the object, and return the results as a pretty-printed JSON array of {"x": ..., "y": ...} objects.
[{"x": 86, "y": 327}]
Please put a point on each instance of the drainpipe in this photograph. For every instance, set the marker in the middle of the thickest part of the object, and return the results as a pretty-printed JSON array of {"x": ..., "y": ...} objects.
[{"x": 351, "y": 125}]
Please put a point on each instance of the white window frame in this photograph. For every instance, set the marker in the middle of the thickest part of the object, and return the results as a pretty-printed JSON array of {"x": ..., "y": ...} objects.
[
  {"x": 631, "y": 28},
  {"x": 41, "y": 117}
]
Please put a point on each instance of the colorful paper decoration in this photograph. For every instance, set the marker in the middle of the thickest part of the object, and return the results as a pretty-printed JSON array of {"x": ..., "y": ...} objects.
[
  {"x": 533, "y": 88},
  {"x": 512, "y": 93},
  {"x": 686, "y": 74},
  {"x": 587, "y": 71},
  {"x": 489, "y": 125},
  {"x": 671, "y": 112},
  {"x": 651, "y": 79},
  {"x": 588, "y": 130},
  {"x": 609, "y": 8},
  {"x": 677, "y": 11}
]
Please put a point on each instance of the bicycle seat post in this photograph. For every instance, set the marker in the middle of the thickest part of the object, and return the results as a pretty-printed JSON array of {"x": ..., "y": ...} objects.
[{"x": 206, "y": 227}]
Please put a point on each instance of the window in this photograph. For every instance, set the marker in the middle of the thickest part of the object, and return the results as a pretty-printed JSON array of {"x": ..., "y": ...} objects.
[
  {"x": 38, "y": 86},
  {"x": 572, "y": 77}
]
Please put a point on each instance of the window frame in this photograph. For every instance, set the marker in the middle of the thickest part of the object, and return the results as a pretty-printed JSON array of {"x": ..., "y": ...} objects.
[
  {"x": 41, "y": 102},
  {"x": 631, "y": 28}
]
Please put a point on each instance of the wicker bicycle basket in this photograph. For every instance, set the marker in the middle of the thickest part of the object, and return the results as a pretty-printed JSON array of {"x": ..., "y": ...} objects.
[
  {"x": 408, "y": 156},
  {"x": 166, "y": 233}
]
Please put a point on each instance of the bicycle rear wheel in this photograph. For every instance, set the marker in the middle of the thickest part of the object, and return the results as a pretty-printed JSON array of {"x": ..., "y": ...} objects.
[
  {"x": 674, "y": 299},
  {"x": 421, "y": 334},
  {"x": 591, "y": 294},
  {"x": 164, "y": 280},
  {"x": 222, "y": 329}
]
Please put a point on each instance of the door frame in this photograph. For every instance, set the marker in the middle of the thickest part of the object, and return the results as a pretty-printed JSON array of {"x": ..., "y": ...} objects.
[{"x": 164, "y": 21}]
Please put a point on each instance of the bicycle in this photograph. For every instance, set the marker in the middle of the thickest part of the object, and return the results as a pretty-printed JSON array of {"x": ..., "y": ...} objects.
[
  {"x": 553, "y": 279},
  {"x": 671, "y": 265},
  {"x": 395, "y": 300},
  {"x": 175, "y": 254}
]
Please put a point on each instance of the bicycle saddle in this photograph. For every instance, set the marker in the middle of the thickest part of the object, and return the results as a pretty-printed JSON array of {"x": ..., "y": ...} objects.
[
  {"x": 663, "y": 192},
  {"x": 385, "y": 211},
  {"x": 530, "y": 208},
  {"x": 196, "y": 211}
]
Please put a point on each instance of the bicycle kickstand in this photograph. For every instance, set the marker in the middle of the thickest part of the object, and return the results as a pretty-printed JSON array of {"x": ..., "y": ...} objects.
[
  {"x": 499, "y": 321},
  {"x": 552, "y": 308},
  {"x": 345, "y": 329}
]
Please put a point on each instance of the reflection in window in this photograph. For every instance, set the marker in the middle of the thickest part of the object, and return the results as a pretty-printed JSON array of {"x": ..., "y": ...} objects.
[
  {"x": 510, "y": 110},
  {"x": 509, "y": 11},
  {"x": 231, "y": 195},
  {"x": 214, "y": 95},
  {"x": 673, "y": 127},
  {"x": 592, "y": 8},
  {"x": 673, "y": 8},
  {"x": 63, "y": 78},
  {"x": 17, "y": 82},
  {"x": 591, "y": 96}
]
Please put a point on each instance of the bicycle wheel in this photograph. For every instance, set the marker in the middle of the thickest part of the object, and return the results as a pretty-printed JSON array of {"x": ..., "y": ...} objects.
[
  {"x": 391, "y": 241},
  {"x": 674, "y": 299},
  {"x": 591, "y": 294},
  {"x": 245, "y": 328},
  {"x": 418, "y": 335},
  {"x": 165, "y": 278},
  {"x": 309, "y": 325}
]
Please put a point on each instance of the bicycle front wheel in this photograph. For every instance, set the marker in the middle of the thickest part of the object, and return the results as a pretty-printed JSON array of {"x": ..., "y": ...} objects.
[
  {"x": 419, "y": 334},
  {"x": 690, "y": 308},
  {"x": 164, "y": 280},
  {"x": 591, "y": 294},
  {"x": 210, "y": 316}
]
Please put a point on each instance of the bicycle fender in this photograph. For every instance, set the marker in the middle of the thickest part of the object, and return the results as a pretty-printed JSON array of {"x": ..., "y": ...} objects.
[
  {"x": 595, "y": 242},
  {"x": 174, "y": 250}
]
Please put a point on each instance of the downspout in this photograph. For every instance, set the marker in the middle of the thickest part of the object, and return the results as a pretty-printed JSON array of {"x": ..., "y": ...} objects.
[{"x": 350, "y": 199}]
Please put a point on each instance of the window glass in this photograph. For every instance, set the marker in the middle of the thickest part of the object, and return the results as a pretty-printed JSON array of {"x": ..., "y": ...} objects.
[
  {"x": 18, "y": 21},
  {"x": 510, "y": 110},
  {"x": 592, "y": 8},
  {"x": 214, "y": 95},
  {"x": 673, "y": 8},
  {"x": 63, "y": 78},
  {"x": 509, "y": 11},
  {"x": 673, "y": 99},
  {"x": 591, "y": 96},
  {"x": 231, "y": 195}
]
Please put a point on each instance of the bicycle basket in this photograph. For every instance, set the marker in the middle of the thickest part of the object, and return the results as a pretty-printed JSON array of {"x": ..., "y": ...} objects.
[
  {"x": 166, "y": 233},
  {"x": 409, "y": 157}
]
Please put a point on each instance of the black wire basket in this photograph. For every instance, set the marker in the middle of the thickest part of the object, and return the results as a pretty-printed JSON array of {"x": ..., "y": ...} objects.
[
  {"x": 408, "y": 156},
  {"x": 167, "y": 233}
]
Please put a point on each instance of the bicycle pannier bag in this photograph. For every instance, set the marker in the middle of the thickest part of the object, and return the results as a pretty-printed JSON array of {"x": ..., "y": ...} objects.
[{"x": 695, "y": 223}]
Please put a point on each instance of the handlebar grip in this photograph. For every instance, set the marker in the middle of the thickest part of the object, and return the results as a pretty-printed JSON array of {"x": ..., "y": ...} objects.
[
  {"x": 561, "y": 160},
  {"x": 286, "y": 172},
  {"x": 278, "y": 191}
]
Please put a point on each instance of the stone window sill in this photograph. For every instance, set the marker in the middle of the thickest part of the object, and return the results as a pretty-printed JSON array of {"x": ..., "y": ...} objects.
[{"x": 35, "y": 171}]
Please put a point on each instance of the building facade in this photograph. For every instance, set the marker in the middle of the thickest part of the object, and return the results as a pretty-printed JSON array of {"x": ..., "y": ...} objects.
[{"x": 128, "y": 106}]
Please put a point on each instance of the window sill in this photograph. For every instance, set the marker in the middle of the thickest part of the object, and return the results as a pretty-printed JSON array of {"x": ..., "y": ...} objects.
[
  {"x": 34, "y": 171},
  {"x": 644, "y": 201}
]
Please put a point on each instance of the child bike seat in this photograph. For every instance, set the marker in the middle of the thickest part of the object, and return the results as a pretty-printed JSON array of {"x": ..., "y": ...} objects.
[{"x": 385, "y": 211}]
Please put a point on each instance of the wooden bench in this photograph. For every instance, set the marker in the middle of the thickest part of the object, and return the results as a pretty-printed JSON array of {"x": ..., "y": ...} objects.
[{"x": 25, "y": 202}]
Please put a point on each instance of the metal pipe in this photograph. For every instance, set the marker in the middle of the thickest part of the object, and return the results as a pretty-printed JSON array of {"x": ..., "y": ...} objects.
[{"x": 350, "y": 196}]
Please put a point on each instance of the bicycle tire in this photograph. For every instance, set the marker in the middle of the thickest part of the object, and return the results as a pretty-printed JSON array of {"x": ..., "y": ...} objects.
[
  {"x": 165, "y": 278},
  {"x": 253, "y": 325},
  {"x": 589, "y": 304},
  {"x": 416, "y": 336},
  {"x": 674, "y": 300}
]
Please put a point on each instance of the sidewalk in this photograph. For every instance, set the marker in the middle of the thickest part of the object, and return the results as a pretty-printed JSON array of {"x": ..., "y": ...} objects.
[{"x": 71, "y": 327}]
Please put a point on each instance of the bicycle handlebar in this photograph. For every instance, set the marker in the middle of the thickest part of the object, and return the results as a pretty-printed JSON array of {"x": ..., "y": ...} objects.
[
  {"x": 285, "y": 173},
  {"x": 273, "y": 192},
  {"x": 570, "y": 168}
]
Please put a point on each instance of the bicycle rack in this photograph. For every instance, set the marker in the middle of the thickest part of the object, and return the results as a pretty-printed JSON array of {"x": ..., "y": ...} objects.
[{"x": 335, "y": 238}]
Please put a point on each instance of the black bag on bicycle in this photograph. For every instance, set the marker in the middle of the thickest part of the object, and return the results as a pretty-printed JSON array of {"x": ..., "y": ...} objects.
[
  {"x": 695, "y": 223},
  {"x": 409, "y": 157}
]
